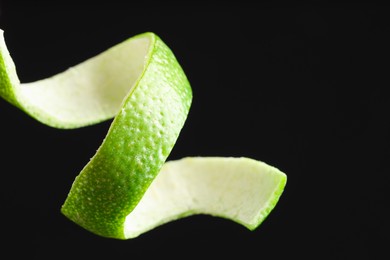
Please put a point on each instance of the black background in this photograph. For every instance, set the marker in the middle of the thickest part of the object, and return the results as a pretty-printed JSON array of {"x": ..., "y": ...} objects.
[{"x": 301, "y": 87}]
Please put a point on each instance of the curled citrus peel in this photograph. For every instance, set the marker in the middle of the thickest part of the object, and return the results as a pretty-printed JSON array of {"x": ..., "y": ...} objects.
[{"x": 128, "y": 188}]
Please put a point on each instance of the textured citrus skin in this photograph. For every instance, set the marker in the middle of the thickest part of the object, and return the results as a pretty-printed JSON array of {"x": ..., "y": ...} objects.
[
  {"x": 136, "y": 146},
  {"x": 117, "y": 180}
]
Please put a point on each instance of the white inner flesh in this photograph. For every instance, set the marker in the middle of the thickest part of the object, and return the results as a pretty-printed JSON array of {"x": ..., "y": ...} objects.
[
  {"x": 91, "y": 91},
  {"x": 238, "y": 189}
]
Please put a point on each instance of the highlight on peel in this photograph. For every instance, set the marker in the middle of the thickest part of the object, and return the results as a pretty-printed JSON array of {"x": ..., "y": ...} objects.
[{"x": 128, "y": 188}]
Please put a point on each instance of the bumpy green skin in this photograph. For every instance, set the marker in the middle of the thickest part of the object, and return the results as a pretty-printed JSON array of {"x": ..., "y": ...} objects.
[
  {"x": 137, "y": 144},
  {"x": 6, "y": 87},
  {"x": 148, "y": 124}
]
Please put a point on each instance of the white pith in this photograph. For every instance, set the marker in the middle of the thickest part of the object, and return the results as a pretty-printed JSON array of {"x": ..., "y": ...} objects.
[
  {"x": 235, "y": 188},
  {"x": 91, "y": 91}
]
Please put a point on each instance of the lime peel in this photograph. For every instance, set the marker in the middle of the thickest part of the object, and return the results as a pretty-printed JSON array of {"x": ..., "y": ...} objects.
[{"x": 127, "y": 188}]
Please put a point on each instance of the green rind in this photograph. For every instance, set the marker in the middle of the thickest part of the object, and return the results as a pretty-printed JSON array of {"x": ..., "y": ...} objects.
[
  {"x": 7, "y": 70},
  {"x": 137, "y": 144},
  {"x": 139, "y": 140}
]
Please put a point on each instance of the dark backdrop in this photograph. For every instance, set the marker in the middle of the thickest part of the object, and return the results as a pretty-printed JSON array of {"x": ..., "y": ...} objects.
[{"x": 301, "y": 87}]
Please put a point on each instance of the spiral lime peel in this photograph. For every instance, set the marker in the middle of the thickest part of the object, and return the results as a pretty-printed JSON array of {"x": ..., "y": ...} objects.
[{"x": 127, "y": 188}]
